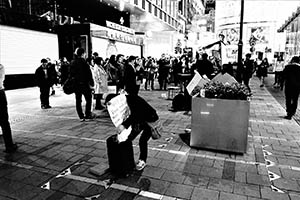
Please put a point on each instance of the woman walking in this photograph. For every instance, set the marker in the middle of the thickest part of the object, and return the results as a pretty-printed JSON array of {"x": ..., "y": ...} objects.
[{"x": 100, "y": 77}]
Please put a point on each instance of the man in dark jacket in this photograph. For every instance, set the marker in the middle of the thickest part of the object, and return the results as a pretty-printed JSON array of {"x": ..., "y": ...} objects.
[
  {"x": 291, "y": 74},
  {"x": 205, "y": 67},
  {"x": 10, "y": 146},
  {"x": 130, "y": 77},
  {"x": 80, "y": 70},
  {"x": 44, "y": 81},
  {"x": 248, "y": 70}
]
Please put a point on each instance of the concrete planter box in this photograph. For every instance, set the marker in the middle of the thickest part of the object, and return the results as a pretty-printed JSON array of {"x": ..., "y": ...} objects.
[{"x": 220, "y": 124}]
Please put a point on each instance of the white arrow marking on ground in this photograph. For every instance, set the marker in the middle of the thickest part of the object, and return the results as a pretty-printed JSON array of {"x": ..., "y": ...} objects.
[
  {"x": 269, "y": 163},
  {"x": 92, "y": 197},
  {"x": 169, "y": 139},
  {"x": 64, "y": 173},
  {"x": 273, "y": 176},
  {"x": 267, "y": 153},
  {"x": 275, "y": 189},
  {"x": 46, "y": 186}
]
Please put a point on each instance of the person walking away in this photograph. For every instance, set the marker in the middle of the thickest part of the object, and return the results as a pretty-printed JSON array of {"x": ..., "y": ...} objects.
[
  {"x": 248, "y": 70},
  {"x": 141, "y": 113},
  {"x": 261, "y": 67},
  {"x": 100, "y": 77},
  {"x": 44, "y": 82},
  {"x": 130, "y": 77},
  {"x": 291, "y": 74},
  {"x": 10, "y": 146},
  {"x": 279, "y": 66},
  {"x": 81, "y": 72}
]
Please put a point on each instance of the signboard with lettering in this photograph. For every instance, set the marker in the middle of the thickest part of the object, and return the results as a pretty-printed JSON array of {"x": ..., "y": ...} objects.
[{"x": 119, "y": 27}]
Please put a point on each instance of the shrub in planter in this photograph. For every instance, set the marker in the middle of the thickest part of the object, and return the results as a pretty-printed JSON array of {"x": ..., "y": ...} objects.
[{"x": 219, "y": 90}]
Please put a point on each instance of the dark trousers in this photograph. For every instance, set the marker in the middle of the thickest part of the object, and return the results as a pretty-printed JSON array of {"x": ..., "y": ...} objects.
[
  {"x": 143, "y": 142},
  {"x": 98, "y": 98},
  {"x": 246, "y": 81},
  {"x": 44, "y": 95},
  {"x": 87, "y": 93},
  {"x": 4, "y": 123},
  {"x": 291, "y": 99}
]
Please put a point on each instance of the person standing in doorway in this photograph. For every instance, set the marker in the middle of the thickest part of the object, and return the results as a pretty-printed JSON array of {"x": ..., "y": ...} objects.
[
  {"x": 10, "y": 146},
  {"x": 291, "y": 74},
  {"x": 80, "y": 70},
  {"x": 44, "y": 82}
]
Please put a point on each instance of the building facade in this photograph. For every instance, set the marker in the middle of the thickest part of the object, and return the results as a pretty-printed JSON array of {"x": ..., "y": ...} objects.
[
  {"x": 291, "y": 28},
  {"x": 260, "y": 37}
]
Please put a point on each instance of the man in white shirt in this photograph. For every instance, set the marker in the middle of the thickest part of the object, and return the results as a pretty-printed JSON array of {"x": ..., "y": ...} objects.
[{"x": 10, "y": 147}]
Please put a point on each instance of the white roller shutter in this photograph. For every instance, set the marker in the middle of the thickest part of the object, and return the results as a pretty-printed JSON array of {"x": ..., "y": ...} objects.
[{"x": 21, "y": 50}]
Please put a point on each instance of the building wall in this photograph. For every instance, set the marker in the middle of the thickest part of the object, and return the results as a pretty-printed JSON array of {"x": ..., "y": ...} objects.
[{"x": 258, "y": 24}]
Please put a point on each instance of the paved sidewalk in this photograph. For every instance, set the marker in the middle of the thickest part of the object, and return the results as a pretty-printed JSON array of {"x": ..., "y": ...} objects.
[{"x": 57, "y": 151}]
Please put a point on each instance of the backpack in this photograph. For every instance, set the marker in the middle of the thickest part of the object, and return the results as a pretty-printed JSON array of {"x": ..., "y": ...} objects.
[{"x": 178, "y": 102}]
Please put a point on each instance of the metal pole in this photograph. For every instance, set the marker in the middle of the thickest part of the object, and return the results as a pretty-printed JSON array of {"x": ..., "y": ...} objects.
[
  {"x": 240, "y": 44},
  {"x": 29, "y": 6}
]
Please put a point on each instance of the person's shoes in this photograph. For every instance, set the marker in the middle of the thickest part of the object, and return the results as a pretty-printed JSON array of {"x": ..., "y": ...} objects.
[
  {"x": 140, "y": 165},
  {"x": 11, "y": 149},
  {"x": 90, "y": 116},
  {"x": 288, "y": 117},
  {"x": 82, "y": 119},
  {"x": 262, "y": 85},
  {"x": 46, "y": 107},
  {"x": 43, "y": 107},
  {"x": 99, "y": 107}
]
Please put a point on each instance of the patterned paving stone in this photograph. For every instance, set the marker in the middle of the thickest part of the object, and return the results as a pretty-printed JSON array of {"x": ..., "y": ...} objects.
[
  {"x": 173, "y": 176},
  {"x": 153, "y": 172},
  {"x": 285, "y": 184},
  {"x": 258, "y": 179},
  {"x": 220, "y": 185},
  {"x": 246, "y": 190},
  {"x": 196, "y": 181},
  {"x": 178, "y": 190},
  {"x": 267, "y": 193},
  {"x": 204, "y": 194},
  {"x": 229, "y": 196}
]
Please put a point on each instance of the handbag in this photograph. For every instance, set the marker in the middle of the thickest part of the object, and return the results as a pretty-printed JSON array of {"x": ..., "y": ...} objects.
[
  {"x": 156, "y": 129},
  {"x": 69, "y": 86}
]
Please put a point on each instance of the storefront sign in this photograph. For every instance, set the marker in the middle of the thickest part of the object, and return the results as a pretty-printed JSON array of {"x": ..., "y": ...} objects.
[
  {"x": 118, "y": 36},
  {"x": 119, "y": 27}
]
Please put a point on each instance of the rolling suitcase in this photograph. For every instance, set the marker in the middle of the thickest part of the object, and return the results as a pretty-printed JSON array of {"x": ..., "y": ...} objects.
[{"x": 120, "y": 156}]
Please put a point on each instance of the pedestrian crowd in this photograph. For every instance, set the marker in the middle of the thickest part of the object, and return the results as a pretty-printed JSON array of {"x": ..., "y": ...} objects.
[{"x": 96, "y": 77}]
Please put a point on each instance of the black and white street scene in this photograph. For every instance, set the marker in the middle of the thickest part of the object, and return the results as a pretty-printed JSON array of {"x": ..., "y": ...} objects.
[{"x": 149, "y": 100}]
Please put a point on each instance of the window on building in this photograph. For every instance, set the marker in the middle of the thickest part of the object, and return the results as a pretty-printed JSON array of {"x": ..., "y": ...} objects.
[
  {"x": 150, "y": 7},
  {"x": 144, "y": 4},
  {"x": 136, "y": 2}
]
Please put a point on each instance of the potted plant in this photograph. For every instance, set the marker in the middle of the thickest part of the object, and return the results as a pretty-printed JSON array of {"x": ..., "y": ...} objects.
[{"x": 220, "y": 117}]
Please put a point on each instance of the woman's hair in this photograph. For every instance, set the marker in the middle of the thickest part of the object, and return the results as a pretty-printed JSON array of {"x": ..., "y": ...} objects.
[
  {"x": 98, "y": 60},
  {"x": 112, "y": 59}
]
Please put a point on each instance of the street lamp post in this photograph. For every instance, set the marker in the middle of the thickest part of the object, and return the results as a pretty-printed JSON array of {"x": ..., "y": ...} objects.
[{"x": 240, "y": 44}]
